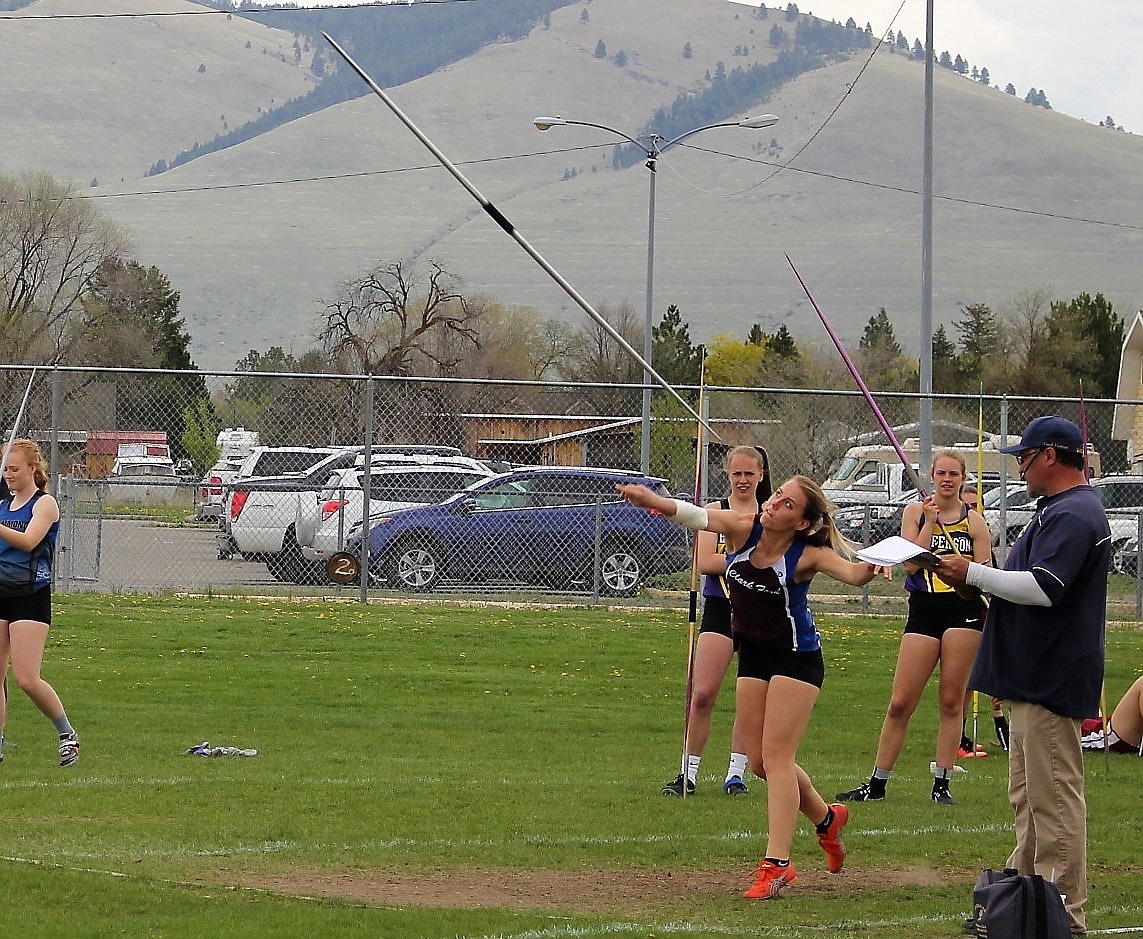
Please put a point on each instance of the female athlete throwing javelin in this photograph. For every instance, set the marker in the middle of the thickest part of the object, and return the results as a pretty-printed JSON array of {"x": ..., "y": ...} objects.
[{"x": 771, "y": 558}]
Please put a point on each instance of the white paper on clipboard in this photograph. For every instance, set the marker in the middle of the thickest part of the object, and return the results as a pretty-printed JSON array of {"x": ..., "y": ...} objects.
[{"x": 896, "y": 550}]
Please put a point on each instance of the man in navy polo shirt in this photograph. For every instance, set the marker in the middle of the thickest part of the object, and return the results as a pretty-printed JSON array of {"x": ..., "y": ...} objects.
[{"x": 1043, "y": 651}]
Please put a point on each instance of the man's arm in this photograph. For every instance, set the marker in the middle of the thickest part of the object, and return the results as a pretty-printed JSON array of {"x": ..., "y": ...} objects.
[{"x": 1016, "y": 586}]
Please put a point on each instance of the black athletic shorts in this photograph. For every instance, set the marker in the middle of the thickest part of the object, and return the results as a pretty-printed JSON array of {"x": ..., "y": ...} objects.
[
  {"x": 763, "y": 663},
  {"x": 716, "y": 616},
  {"x": 931, "y": 614},
  {"x": 35, "y": 606}
]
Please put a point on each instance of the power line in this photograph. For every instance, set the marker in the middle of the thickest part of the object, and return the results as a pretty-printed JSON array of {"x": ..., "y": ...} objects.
[
  {"x": 244, "y": 12},
  {"x": 784, "y": 167}
]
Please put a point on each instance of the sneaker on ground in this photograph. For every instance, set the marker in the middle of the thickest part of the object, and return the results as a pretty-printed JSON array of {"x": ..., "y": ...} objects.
[
  {"x": 831, "y": 842},
  {"x": 769, "y": 878},
  {"x": 863, "y": 793},
  {"x": 943, "y": 797},
  {"x": 675, "y": 786},
  {"x": 955, "y": 769},
  {"x": 69, "y": 749},
  {"x": 735, "y": 786},
  {"x": 967, "y": 753},
  {"x": 1093, "y": 741}
]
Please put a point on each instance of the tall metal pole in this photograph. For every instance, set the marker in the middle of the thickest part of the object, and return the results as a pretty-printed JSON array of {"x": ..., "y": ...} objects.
[
  {"x": 649, "y": 318},
  {"x": 925, "y": 418}
]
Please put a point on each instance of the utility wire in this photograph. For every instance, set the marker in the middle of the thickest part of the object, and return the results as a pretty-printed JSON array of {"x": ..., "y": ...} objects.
[{"x": 210, "y": 12}]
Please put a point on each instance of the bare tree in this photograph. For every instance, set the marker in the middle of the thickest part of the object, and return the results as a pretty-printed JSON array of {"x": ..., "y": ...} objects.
[
  {"x": 52, "y": 242},
  {"x": 390, "y": 322}
]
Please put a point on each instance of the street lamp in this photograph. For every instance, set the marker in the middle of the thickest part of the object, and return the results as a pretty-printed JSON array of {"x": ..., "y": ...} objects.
[{"x": 652, "y": 149}]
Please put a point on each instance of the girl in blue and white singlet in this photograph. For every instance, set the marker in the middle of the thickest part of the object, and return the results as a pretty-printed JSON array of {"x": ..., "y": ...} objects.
[
  {"x": 748, "y": 473},
  {"x": 29, "y": 523},
  {"x": 772, "y": 558}
]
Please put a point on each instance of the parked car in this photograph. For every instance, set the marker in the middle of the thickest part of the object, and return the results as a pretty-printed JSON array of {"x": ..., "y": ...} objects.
[
  {"x": 1122, "y": 493},
  {"x": 868, "y": 523},
  {"x": 261, "y": 511},
  {"x": 1122, "y": 518},
  {"x": 1019, "y": 507},
  {"x": 326, "y": 518},
  {"x": 1126, "y": 557},
  {"x": 212, "y": 488},
  {"x": 552, "y": 525}
]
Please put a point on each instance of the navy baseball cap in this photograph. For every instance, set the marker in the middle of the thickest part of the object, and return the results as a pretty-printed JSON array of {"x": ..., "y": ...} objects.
[{"x": 1050, "y": 431}]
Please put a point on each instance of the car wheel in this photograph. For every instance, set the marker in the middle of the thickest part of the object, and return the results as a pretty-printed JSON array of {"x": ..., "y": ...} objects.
[
  {"x": 621, "y": 570},
  {"x": 290, "y": 566},
  {"x": 1116, "y": 547},
  {"x": 415, "y": 565}
]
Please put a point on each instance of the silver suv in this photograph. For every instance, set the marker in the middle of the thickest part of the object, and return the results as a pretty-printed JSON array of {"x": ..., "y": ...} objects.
[{"x": 326, "y": 518}]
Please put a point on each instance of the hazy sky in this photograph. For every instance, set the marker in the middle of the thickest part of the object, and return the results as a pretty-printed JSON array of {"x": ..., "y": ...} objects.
[{"x": 1085, "y": 57}]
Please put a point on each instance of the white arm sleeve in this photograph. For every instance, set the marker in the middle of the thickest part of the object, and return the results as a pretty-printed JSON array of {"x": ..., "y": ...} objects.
[
  {"x": 690, "y": 516},
  {"x": 1017, "y": 586}
]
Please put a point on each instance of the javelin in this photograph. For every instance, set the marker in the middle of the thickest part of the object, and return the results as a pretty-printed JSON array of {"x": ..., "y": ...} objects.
[
  {"x": 692, "y": 617},
  {"x": 913, "y": 475},
  {"x": 498, "y": 217},
  {"x": 19, "y": 417}
]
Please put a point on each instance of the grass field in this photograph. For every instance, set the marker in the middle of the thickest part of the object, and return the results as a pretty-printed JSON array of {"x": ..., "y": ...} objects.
[{"x": 445, "y": 771}]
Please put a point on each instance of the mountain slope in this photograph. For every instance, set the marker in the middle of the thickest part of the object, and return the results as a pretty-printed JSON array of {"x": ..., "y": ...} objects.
[
  {"x": 105, "y": 98},
  {"x": 253, "y": 262}
]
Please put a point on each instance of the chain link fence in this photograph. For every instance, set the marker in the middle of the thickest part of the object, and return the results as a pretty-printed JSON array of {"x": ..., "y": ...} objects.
[{"x": 153, "y": 498}]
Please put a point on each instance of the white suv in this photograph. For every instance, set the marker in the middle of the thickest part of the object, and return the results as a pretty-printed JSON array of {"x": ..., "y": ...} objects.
[{"x": 325, "y": 520}]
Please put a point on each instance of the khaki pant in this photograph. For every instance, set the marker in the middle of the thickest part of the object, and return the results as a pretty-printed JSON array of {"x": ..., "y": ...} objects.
[{"x": 1045, "y": 788}]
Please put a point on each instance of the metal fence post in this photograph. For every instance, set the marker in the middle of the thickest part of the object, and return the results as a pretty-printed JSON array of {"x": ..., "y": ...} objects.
[
  {"x": 366, "y": 489},
  {"x": 54, "y": 449}
]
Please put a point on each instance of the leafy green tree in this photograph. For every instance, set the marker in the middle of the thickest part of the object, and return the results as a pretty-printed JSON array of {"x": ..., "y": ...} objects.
[
  {"x": 782, "y": 344},
  {"x": 687, "y": 50},
  {"x": 944, "y": 362},
  {"x": 53, "y": 243},
  {"x": 600, "y": 48},
  {"x": 918, "y": 50},
  {"x": 978, "y": 332},
  {"x": 1100, "y": 329},
  {"x": 984, "y": 78},
  {"x": 674, "y": 355},
  {"x": 200, "y": 433},
  {"x": 131, "y": 319},
  {"x": 883, "y": 363},
  {"x": 777, "y": 36}
]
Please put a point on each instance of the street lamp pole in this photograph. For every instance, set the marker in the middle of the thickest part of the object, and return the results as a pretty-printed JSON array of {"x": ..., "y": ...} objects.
[{"x": 652, "y": 150}]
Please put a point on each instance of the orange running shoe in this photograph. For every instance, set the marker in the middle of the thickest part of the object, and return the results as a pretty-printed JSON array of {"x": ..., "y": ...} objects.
[
  {"x": 831, "y": 842},
  {"x": 769, "y": 879}
]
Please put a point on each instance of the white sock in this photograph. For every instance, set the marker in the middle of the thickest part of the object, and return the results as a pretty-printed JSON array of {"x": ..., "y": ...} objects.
[
  {"x": 693, "y": 767},
  {"x": 737, "y": 766}
]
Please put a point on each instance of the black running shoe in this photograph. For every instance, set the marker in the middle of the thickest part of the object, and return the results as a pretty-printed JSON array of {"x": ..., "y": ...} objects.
[
  {"x": 942, "y": 796},
  {"x": 675, "y": 786},
  {"x": 863, "y": 793}
]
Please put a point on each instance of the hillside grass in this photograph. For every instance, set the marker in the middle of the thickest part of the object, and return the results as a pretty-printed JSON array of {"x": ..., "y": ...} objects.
[{"x": 443, "y": 744}]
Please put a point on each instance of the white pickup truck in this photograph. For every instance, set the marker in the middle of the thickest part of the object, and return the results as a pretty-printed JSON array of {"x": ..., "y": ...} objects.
[{"x": 261, "y": 511}]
